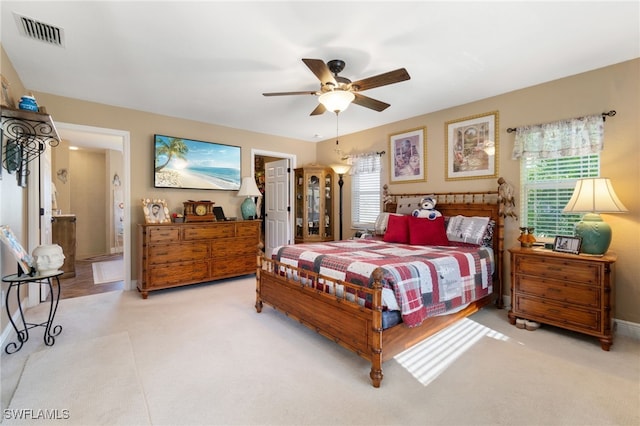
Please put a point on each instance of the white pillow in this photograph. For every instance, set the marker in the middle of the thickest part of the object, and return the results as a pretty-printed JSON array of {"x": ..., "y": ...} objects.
[
  {"x": 407, "y": 205},
  {"x": 381, "y": 223},
  {"x": 466, "y": 229}
]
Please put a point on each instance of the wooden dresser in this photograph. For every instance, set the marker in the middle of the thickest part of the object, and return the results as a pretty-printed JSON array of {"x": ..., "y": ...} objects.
[
  {"x": 63, "y": 233},
  {"x": 178, "y": 254},
  {"x": 575, "y": 292}
]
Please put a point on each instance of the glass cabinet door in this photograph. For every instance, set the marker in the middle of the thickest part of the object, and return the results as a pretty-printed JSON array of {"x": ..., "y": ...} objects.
[
  {"x": 313, "y": 204},
  {"x": 299, "y": 203},
  {"x": 328, "y": 205}
]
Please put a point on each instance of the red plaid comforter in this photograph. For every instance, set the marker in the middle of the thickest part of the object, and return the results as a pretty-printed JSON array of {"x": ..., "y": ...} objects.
[{"x": 425, "y": 280}]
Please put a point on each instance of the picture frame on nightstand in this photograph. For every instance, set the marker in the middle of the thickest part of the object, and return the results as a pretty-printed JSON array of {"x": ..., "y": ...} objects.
[{"x": 566, "y": 244}]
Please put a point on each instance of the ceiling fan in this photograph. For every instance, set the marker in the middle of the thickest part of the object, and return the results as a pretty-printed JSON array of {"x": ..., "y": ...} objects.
[{"x": 336, "y": 93}]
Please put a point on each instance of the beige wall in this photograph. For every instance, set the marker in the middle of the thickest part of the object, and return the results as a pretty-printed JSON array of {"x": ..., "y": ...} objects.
[
  {"x": 612, "y": 88},
  {"x": 13, "y": 199},
  {"x": 615, "y": 87}
]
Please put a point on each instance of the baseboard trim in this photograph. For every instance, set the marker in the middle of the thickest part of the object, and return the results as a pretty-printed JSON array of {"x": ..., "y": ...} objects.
[{"x": 628, "y": 329}]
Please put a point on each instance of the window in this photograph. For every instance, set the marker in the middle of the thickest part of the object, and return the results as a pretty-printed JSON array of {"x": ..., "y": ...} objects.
[
  {"x": 546, "y": 187},
  {"x": 365, "y": 191}
]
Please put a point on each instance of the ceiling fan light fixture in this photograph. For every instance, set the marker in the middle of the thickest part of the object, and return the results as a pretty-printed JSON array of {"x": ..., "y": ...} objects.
[{"x": 337, "y": 100}]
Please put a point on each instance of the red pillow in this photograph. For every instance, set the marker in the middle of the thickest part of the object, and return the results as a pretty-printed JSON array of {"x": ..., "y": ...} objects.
[
  {"x": 427, "y": 232},
  {"x": 397, "y": 230}
]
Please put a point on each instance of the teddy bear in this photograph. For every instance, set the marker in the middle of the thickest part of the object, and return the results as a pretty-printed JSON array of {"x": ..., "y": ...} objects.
[{"x": 427, "y": 209}]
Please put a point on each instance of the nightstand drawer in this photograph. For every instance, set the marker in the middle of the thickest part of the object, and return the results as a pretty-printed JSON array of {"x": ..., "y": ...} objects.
[
  {"x": 547, "y": 267},
  {"x": 558, "y": 314},
  {"x": 559, "y": 291}
]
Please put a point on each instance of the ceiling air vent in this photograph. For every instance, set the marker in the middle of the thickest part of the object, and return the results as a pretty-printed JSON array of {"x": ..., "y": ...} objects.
[{"x": 40, "y": 31}]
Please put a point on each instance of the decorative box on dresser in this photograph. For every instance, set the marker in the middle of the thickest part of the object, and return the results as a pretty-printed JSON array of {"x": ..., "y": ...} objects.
[
  {"x": 575, "y": 292},
  {"x": 178, "y": 254}
]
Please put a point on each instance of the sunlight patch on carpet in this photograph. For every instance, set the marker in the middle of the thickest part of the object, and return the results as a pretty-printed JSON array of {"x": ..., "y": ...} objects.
[
  {"x": 108, "y": 272},
  {"x": 429, "y": 358}
]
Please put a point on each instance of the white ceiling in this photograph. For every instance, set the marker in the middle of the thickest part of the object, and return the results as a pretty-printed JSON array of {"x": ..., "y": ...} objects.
[{"x": 211, "y": 61}]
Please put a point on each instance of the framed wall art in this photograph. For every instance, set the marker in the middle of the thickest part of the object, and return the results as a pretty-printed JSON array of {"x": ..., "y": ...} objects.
[
  {"x": 472, "y": 147},
  {"x": 192, "y": 164},
  {"x": 155, "y": 211},
  {"x": 408, "y": 158}
]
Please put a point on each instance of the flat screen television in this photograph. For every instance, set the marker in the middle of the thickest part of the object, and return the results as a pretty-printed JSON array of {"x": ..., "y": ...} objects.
[{"x": 192, "y": 164}]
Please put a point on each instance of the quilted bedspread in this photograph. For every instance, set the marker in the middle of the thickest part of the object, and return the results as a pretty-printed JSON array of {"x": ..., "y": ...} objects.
[{"x": 425, "y": 280}]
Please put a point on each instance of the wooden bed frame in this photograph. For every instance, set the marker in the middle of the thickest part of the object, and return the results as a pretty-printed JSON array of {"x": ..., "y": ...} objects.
[{"x": 359, "y": 328}]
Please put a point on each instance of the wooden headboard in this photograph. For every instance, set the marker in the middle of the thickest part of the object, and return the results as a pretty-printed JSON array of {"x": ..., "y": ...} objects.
[{"x": 480, "y": 203}]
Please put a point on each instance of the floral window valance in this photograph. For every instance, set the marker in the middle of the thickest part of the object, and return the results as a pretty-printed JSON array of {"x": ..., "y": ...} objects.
[
  {"x": 567, "y": 138},
  {"x": 364, "y": 163}
]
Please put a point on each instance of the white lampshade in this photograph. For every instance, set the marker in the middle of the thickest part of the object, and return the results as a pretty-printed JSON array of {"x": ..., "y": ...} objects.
[
  {"x": 337, "y": 100},
  {"x": 340, "y": 169},
  {"x": 249, "y": 188},
  {"x": 594, "y": 195}
]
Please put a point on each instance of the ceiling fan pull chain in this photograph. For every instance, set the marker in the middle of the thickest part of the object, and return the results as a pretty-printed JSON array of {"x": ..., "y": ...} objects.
[{"x": 337, "y": 128}]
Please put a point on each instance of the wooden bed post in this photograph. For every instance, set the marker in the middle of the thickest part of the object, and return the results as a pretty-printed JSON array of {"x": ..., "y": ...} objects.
[{"x": 376, "y": 335}]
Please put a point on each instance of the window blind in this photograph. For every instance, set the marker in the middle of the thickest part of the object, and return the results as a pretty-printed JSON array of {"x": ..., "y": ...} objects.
[
  {"x": 365, "y": 191},
  {"x": 546, "y": 187}
]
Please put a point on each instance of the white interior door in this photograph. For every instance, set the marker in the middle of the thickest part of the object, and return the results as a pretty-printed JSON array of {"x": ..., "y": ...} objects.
[
  {"x": 39, "y": 214},
  {"x": 276, "y": 199}
]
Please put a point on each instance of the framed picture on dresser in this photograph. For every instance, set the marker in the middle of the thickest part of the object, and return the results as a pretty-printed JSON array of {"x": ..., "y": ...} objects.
[{"x": 566, "y": 244}]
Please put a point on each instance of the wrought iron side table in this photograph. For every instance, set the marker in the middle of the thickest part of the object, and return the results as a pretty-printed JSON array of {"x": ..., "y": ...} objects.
[{"x": 23, "y": 327}]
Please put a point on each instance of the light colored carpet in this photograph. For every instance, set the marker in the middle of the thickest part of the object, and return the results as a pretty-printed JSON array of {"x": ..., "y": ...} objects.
[
  {"x": 542, "y": 389},
  {"x": 90, "y": 382},
  {"x": 203, "y": 356},
  {"x": 108, "y": 272}
]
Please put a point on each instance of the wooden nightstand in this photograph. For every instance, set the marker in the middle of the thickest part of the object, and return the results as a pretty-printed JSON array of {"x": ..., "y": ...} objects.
[{"x": 575, "y": 292}]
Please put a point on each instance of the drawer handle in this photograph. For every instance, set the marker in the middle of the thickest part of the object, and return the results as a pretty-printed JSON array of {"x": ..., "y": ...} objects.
[
  {"x": 553, "y": 311},
  {"x": 554, "y": 268},
  {"x": 162, "y": 253},
  {"x": 557, "y": 290}
]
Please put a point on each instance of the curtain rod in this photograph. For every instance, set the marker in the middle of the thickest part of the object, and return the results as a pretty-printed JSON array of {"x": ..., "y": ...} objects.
[
  {"x": 378, "y": 153},
  {"x": 604, "y": 115}
]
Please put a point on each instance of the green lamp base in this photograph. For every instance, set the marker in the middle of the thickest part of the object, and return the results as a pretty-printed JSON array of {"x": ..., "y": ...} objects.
[
  {"x": 248, "y": 209},
  {"x": 595, "y": 234}
]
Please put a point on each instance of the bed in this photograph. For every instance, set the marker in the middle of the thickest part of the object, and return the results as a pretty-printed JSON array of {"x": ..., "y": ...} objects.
[{"x": 350, "y": 305}]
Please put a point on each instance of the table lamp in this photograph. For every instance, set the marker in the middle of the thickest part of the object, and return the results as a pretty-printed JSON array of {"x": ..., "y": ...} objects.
[
  {"x": 593, "y": 196},
  {"x": 248, "y": 189}
]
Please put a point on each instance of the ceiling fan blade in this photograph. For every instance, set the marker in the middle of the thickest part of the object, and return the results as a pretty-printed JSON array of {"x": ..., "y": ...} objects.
[
  {"x": 390, "y": 77},
  {"x": 321, "y": 70},
  {"x": 289, "y": 93},
  {"x": 370, "y": 103},
  {"x": 320, "y": 109}
]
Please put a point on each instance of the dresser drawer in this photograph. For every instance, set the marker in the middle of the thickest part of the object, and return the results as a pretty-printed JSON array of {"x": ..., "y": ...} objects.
[
  {"x": 246, "y": 246},
  {"x": 161, "y": 234},
  {"x": 177, "y": 274},
  {"x": 560, "y": 291},
  {"x": 220, "y": 230},
  {"x": 247, "y": 230},
  {"x": 231, "y": 267},
  {"x": 165, "y": 253},
  {"x": 559, "y": 269},
  {"x": 557, "y": 313}
]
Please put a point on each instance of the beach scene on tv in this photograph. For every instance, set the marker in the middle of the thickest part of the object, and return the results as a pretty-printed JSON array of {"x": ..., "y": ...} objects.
[{"x": 185, "y": 163}]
